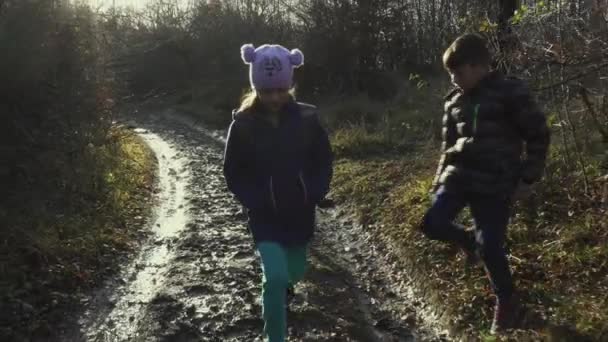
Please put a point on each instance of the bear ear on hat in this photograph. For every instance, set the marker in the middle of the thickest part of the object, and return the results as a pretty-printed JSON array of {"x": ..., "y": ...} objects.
[
  {"x": 248, "y": 53},
  {"x": 296, "y": 57}
]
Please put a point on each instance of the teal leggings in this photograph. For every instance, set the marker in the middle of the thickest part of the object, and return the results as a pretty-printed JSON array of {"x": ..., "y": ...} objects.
[{"x": 282, "y": 267}]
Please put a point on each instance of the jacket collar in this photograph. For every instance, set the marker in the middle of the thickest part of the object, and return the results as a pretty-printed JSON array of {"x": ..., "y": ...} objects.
[
  {"x": 487, "y": 80},
  {"x": 289, "y": 112},
  {"x": 291, "y": 109}
]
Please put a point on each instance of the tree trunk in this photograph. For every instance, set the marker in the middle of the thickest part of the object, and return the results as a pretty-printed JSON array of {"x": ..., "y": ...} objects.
[{"x": 505, "y": 37}]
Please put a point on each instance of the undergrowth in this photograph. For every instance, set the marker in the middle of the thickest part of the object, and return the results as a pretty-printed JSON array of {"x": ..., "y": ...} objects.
[{"x": 50, "y": 253}]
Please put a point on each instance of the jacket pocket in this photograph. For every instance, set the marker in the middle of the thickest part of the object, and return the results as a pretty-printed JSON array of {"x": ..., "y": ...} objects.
[{"x": 289, "y": 193}]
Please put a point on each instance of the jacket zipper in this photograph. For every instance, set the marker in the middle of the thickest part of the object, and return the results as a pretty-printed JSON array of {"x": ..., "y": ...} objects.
[
  {"x": 475, "y": 116},
  {"x": 272, "y": 196},
  {"x": 304, "y": 188}
]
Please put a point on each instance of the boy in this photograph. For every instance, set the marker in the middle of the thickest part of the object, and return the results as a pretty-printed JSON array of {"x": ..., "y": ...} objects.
[{"x": 487, "y": 120}]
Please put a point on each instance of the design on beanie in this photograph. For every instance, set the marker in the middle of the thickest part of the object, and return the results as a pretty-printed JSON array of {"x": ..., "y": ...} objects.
[{"x": 272, "y": 65}]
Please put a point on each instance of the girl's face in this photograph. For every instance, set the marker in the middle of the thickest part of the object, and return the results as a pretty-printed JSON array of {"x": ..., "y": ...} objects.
[{"x": 274, "y": 99}]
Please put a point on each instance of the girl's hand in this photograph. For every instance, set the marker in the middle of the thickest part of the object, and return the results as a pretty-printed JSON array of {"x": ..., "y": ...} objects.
[{"x": 326, "y": 203}]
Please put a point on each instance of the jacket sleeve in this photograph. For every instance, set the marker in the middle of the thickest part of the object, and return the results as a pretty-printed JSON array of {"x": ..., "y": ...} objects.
[
  {"x": 239, "y": 171},
  {"x": 448, "y": 140},
  {"x": 320, "y": 175},
  {"x": 532, "y": 126}
]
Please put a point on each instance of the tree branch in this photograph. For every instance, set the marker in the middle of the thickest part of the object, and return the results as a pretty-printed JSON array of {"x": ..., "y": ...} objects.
[{"x": 574, "y": 77}]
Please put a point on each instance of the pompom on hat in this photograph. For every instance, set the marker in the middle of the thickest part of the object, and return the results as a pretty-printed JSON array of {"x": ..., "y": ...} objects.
[{"x": 271, "y": 66}]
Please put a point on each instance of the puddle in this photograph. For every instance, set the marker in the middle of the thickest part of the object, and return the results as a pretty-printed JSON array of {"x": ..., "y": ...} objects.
[{"x": 146, "y": 275}]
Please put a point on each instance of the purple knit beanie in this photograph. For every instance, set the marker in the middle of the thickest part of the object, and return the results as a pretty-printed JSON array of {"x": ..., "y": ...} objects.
[{"x": 271, "y": 66}]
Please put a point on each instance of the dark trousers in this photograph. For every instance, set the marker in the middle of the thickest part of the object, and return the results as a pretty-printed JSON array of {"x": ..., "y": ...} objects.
[{"x": 491, "y": 215}]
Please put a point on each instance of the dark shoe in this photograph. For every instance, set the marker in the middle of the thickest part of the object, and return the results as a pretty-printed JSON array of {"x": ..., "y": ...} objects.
[
  {"x": 472, "y": 257},
  {"x": 506, "y": 314}
]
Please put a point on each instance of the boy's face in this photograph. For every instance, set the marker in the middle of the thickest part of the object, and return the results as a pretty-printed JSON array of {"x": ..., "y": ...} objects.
[
  {"x": 467, "y": 76},
  {"x": 274, "y": 99}
]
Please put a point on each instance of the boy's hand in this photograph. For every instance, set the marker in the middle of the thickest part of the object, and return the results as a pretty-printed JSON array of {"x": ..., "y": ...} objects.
[{"x": 523, "y": 191}]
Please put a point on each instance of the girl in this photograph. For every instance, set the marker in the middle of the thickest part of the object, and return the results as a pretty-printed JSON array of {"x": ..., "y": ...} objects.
[{"x": 278, "y": 163}]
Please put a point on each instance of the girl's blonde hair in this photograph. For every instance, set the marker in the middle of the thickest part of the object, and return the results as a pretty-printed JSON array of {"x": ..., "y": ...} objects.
[{"x": 250, "y": 100}]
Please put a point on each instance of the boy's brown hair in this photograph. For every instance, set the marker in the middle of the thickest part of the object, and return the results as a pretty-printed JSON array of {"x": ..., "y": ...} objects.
[{"x": 467, "y": 49}]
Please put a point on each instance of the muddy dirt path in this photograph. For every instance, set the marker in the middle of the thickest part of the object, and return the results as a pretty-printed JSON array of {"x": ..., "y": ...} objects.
[{"x": 198, "y": 277}]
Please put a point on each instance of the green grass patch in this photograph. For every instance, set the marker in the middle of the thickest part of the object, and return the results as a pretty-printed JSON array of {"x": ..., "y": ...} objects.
[{"x": 358, "y": 142}]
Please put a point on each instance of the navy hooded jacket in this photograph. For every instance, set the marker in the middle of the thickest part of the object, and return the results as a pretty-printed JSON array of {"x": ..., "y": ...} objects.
[{"x": 279, "y": 173}]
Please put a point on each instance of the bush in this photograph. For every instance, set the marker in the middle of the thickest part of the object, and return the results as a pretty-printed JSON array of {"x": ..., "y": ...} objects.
[
  {"x": 54, "y": 98},
  {"x": 69, "y": 180}
]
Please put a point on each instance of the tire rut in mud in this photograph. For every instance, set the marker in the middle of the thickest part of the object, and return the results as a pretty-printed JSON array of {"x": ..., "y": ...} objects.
[{"x": 208, "y": 284}]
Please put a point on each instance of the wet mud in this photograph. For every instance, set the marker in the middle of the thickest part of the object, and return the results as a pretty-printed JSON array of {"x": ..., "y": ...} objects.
[{"x": 197, "y": 278}]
